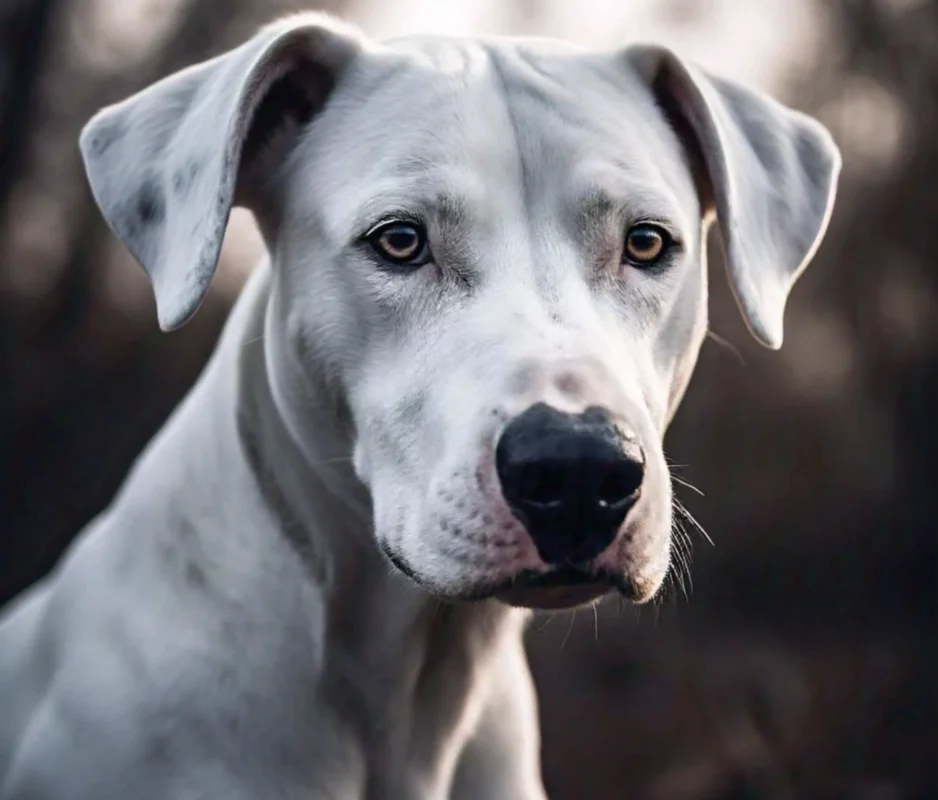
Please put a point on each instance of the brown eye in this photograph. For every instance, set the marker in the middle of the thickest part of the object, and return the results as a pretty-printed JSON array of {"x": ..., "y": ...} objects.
[
  {"x": 645, "y": 244},
  {"x": 400, "y": 243}
]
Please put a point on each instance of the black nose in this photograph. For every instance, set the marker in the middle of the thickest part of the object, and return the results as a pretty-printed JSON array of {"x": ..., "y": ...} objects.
[{"x": 571, "y": 479}]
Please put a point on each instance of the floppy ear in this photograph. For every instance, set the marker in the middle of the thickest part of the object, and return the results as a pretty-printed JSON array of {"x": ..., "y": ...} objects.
[
  {"x": 167, "y": 164},
  {"x": 769, "y": 173}
]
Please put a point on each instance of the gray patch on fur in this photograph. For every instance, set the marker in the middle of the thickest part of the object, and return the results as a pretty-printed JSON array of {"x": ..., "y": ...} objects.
[
  {"x": 185, "y": 176},
  {"x": 151, "y": 204}
]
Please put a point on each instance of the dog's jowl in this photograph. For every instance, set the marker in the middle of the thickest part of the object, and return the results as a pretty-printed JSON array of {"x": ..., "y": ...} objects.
[{"x": 438, "y": 402}]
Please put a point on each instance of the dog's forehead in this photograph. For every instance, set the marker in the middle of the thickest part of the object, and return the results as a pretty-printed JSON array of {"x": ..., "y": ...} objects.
[{"x": 480, "y": 119}]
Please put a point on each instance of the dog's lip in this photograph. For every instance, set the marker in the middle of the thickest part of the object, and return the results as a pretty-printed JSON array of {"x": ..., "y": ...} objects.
[
  {"x": 562, "y": 588},
  {"x": 554, "y": 598},
  {"x": 556, "y": 589}
]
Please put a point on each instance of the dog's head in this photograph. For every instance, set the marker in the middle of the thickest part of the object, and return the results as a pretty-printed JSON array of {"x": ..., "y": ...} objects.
[{"x": 493, "y": 252}]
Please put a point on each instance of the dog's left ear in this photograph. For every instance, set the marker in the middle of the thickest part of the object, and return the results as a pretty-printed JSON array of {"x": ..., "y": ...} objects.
[
  {"x": 769, "y": 173},
  {"x": 167, "y": 164}
]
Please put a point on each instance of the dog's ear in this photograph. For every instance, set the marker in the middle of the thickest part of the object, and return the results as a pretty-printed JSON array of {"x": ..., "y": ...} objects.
[
  {"x": 167, "y": 164},
  {"x": 768, "y": 172}
]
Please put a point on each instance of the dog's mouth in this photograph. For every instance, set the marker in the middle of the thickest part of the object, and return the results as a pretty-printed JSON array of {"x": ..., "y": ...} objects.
[
  {"x": 562, "y": 588},
  {"x": 558, "y": 589}
]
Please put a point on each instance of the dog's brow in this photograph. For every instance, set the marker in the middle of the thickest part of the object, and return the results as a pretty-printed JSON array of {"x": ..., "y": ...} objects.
[
  {"x": 599, "y": 204},
  {"x": 446, "y": 210},
  {"x": 595, "y": 206}
]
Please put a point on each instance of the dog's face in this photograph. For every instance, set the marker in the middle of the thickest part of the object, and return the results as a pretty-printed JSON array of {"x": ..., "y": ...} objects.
[
  {"x": 511, "y": 252},
  {"x": 493, "y": 252}
]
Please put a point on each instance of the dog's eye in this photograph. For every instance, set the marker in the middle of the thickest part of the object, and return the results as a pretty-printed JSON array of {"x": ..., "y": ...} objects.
[
  {"x": 645, "y": 244},
  {"x": 400, "y": 243}
]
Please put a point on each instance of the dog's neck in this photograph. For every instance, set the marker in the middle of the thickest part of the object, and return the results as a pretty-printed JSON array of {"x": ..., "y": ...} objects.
[{"x": 375, "y": 619}]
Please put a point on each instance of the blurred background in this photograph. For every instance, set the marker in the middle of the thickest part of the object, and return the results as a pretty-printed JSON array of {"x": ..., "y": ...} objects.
[{"x": 802, "y": 661}]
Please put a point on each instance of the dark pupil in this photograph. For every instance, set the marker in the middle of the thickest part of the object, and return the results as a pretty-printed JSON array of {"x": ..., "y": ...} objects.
[
  {"x": 644, "y": 240},
  {"x": 400, "y": 240}
]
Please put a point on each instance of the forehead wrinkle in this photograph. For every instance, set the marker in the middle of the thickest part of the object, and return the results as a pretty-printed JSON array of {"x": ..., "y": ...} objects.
[
  {"x": 644, "y": 167},
  {"x": 557, "y": 113},
  {"x": 524, "y": 145},
  {"x": 548, "y": 84}
]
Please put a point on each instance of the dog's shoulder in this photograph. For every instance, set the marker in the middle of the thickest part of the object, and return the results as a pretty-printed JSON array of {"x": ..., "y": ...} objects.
[{"x": 114, "y": 687}]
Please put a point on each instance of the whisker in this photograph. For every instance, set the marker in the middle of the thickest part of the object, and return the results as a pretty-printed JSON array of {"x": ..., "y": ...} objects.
[
  {"x": 674, "y": 566},
  {"x": 547, "y": 619},
  {"x": 690, "y": 518},
  {"x": 680, "y": 570},
  {"x": 687, "y": 484},
  {"x": 569, "y": 629},
  {"x": 685, "y": 550},
  {"x": 679, "y": 574}
]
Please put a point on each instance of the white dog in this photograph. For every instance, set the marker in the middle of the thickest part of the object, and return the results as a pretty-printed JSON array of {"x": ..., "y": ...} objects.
[{"x": 484, "y": 299}]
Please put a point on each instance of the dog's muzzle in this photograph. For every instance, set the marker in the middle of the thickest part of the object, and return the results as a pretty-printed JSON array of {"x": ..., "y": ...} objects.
[{"x": 570, "y": 479}]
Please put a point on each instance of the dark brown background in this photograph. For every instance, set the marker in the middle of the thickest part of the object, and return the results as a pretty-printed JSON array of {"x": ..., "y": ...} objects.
[{"x": 804, "y": 663}]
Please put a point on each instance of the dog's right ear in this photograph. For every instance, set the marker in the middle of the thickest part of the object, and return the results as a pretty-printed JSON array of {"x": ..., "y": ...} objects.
[{"x": 167, "y": 164}]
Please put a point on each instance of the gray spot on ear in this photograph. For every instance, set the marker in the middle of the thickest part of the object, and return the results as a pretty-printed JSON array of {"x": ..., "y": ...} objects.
[
  {"x": 186, "y": 529},
  {"x": 106, "y": 134},
  {"x": 195, "y": 575},
  {"x": 157, "y": 750},
  {"x": 185, "y": 175},
  {"x": 151, "y": 204}
]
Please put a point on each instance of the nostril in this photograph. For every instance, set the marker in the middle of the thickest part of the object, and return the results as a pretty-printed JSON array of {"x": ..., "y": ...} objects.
[
  {"x": 543, "y": 484},
  {"x": 620, "y": 484}
]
